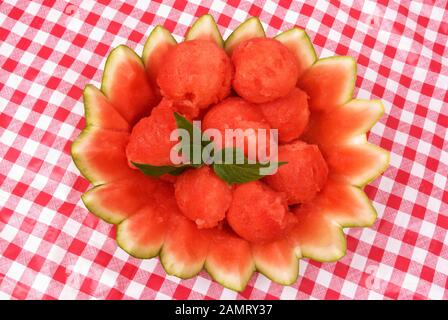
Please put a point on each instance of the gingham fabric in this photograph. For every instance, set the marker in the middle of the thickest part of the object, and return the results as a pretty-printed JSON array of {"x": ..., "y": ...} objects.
[{"x": 51, "y": 247}]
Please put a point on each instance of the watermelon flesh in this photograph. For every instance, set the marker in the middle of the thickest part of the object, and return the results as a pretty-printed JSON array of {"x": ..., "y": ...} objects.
[
  {"x": 235, "y": 113},
  {"x": 277, "y": 260},
  {"x": 257, "y": 213},
  {"x": 229, "y": 260},
  {"x": 159, "y": 42},
  {"x": 289, "y": 115},
  {"x": 194, "y": 75},
  {"x": 208, "y": 210},
  {"x": 345, "y": 204},
  {"x": 100, "y": 113},
  {"x": 116, "y": 201},
  {"x": 100, "y": 155},
  {"x": 249, "y": 29},
  {"x": 298, "y": 42},
  {"x": 205, "y": 28},
  {"x": 185, "y": 248},
  {"x": 329, "y": 82},
  {"x": 305, "y": 162},
  {"x": 142, "y": 234},
  {"x": 343, "y": 124},
  {"x": 150, "y": 138},
  {"x": 126, "y": 85},
  {"x": 149, "y": 218},
  {"x": 256, "y": 79},
  {"x": 315, "y": 235}
]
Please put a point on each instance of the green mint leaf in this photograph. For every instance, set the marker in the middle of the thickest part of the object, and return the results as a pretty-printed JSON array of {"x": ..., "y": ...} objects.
[
  {"x": 233, "y": 167},
  {"x": 183, "y": 123},
  {"x": 157, "y": 171},
  {"x": 194, "y": 144}
]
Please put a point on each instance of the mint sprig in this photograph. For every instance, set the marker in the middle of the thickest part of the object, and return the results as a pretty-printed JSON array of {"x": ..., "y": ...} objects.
[
  {"x": 195, "y": 143},
  {"x": 240, "y": 169},
  {"x": 229, "y": 164},
  {"x": 157, "y": 171}
]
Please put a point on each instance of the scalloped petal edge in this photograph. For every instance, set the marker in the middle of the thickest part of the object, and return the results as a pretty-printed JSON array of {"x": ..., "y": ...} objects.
[
  {"x": 299, "y": 43},
  {"x": 338, "y": 73},
  {"x": 285, "y": 269},
  {"x": 133, "y": 96},
  {"x": 100, "y": 113},
  {"x": 345, "y": 124},
  {"x": 344, "y": 156},
  {"x": 205, "y": 28},
  {"x": 158, "y": 36},
  {"x": 116, "y": 161},
  {"x": 251, "y": 28}
]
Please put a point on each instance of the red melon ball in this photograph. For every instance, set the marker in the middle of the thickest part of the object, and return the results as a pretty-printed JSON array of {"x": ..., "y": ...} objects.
[
  {"x": 195, "y": 74},
  {"x": 303, "y": 176},
  {"x": 289, "y": 114},
  {"x": 202, "y": 196},
  {"x": 150, "y": 138},
  {"x": 258, "y": 213},
  {"x": 265, "y": 70},
  {"x": 168, "y": 178},
  {"x": 235, "y": 113}
]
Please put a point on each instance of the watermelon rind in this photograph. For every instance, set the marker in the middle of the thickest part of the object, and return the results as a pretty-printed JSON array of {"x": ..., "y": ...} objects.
[
  {"x": 120, "y": 52},
  {"x": 346, "y": 124},
  {"x": 346, "y": 127},
  {"x": 125, "y": 240},
  {"x": 376, "y": 107},
  {"x": 88, "y": 198},
  {"x": 345, "y": 204},
  {"x": 369, "y": 218},
  {"x": 222, "y": 263},
  {"x": 174, "y": 267},
  {"x": 317, "y": 86},
  {"x": 109, "y": 211},
  {"x": 133, "y": 96},
  {"x": 157, "y": 36},
  {"x": 268, "y": 263},
  {"x": 128, "y": 245},
  {"x": 94, "y": 108},
  {"x": 330, "y": 253},
  {"x": 299, "y": 43},
  {"x": 383, "y": 160},
  {"x": 377, "y": 155},
  {"x": 185, "y": 249},
  {"x": 251, "y": 28},
  {"x": 205, "y": 28},
  {"x": 232, "y": 281},
  {"x": 114, "y": 154},
  {"x": 76, "y": 151},
  {"x": 366, "y": 216}
]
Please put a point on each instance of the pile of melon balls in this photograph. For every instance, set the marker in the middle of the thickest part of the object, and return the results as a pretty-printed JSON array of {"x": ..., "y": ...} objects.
[{"x": 254, "y": 87}]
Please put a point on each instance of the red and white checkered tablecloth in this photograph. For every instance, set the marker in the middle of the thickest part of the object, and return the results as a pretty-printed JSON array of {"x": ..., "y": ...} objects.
[{"x": 51, "y": 247}]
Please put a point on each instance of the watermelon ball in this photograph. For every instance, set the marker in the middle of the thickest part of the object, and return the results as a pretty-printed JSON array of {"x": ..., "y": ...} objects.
[
  {"x": 202, "y": 196},
  {"x": 168, "y": 178},
  {"x": 149, "y": 142},
  {"x": 265, "y": 70},
  {"x": 289, "y": 114},
  {"x": 258, "y": 213},
  {"x": 195, "y": 74},
  {"x": 303, "y": 176},
  {"x": 235, "y": 113}
]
